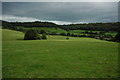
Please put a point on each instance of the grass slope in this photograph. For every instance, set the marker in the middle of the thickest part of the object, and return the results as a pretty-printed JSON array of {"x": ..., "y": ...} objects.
[
  {"x": 47, "y": 29},
  {"x": 58, "y": 57}
]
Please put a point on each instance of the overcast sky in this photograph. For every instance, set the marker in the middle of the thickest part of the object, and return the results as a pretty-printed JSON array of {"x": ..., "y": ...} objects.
[
  {"x": 60, "y": 0},
  {"x": 60, "y": 12}
]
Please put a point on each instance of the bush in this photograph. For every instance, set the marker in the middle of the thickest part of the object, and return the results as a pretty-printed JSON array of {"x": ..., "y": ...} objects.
[
  {"x": 72, "y": 34},
  {"x": 67, "y": 38},
  {"x": 31, "y": 35},
  {"x": 68, "y": 34},
  {"x": 117, "y": 37},
  {"x": 92, "y": 35},
  {"x": 102, "y": 33},
  {"x": 53, "y": 33},
  {"x": 86, "y": 32},
  {"x": 83, "y": 35},
  {"x": 63, "y": 34},
  {"x": 42, "y": 31},
  {"x": 75, "y": 36},
  {"x": 44, "y": 36}
]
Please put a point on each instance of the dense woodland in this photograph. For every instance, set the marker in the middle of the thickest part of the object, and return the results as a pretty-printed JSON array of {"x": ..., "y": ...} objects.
[
  {"x": 93, "y": 26},
  {"x": 90, "y": 26}
]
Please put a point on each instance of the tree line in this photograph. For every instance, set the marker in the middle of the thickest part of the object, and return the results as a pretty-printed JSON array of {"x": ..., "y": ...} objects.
[
  {"x": 90, "y": 26},
  {"x": 93, "y": 26}
]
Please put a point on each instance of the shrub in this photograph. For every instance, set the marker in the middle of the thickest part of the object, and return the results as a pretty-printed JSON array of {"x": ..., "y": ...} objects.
[
  {"x": 68, "y": 34},
  {"x": 117, "y": 37},
  {"x": 53, "y": 33},
  {"x": 75, "y": 36},
  {"x": 67, "y": 38},
  {"x": 101, "y": 37},
  {"x": 86, "y": 32},
  {"x": 79, "y": 35},
  {"x": 72, "y": 34},
  {"x": 92, "y": 35},
  {"x": 31, "y": 35},
  {"x": 102, "y": 33},
  {"x": 64, "y": 34},
  {"x": 83, "y": 35},
  {"x": 42, "y": 31},
  {"x": 44, "y": 36}
]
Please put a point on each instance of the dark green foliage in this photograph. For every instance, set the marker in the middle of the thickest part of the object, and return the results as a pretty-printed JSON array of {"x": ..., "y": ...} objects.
[
  {"x": 102, "y": 32},
  {"x": 79, "y": 35},
  {"x": 68, "y": 34},
  {"x": 53, "y": 33},
  {"x": 56, "y": 28},
  {"x": 75, "y": 36},
  {"x": 72, "y": 34},
  {"x": 86, "y": 32},
  {"x": 7, "y": 25},
  {"x": 67, "y": 30},
  {"x": 91, "y": 32},
  {"x": 34, "y": 24},
  {"x": 67, "y": 38},
  {"x": 117, "y": 37},
  {"x": 31, "y": 35},
  {"x": 101, "y": 37},
  {"x": 92, "y": 26},
  {"x": 63, "y": 34},
  {"x": 83, "y": 35},
  {"x": 44, "y": 36},
  {"x": 89, "y": 26},
  {"x": 92, "y": 35},
  {"x": 42, "y": 31},
  {"x": 108, "y": 36}
]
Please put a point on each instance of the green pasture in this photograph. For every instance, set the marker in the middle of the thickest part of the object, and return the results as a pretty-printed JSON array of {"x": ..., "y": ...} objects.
[
  {"x": 58, "y": 57},
  {"x": 77, "y": 31},
  {"x": 47, "y": 29},
  {"x": 111, "y": 33}
]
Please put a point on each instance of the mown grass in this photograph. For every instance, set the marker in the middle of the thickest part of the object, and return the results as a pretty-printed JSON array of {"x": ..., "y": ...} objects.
[{"x": 57, "y": 57}]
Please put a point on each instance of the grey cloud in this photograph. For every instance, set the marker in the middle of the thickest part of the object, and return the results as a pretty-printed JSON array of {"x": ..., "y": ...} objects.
[
  {"x": 64, "y": 11},
  {"x": 60, "y": 0}
]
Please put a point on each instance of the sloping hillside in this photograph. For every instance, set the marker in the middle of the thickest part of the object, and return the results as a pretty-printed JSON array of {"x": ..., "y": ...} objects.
[{"x": 58, "y": 57}]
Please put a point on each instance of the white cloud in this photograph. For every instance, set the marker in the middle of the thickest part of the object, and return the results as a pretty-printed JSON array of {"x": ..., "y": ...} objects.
[
  {"x": 63, "y": 22},
  {"x": 12, "y": 18},
  {"x": 0, "y": 17},
  {"x": 60, "y": 22},
  {"x": 19, "y": 19}
]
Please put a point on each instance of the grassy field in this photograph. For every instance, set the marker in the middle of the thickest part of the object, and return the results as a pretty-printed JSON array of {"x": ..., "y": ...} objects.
[
  {"x": 47, "y": 29},
  {"x": 57, "y": 57},
  {"x": 111, "y": 33},
  {"x": 77, "y": 31}
]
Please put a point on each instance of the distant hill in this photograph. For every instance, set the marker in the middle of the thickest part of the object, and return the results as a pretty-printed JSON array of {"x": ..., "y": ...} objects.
[{"x": 90, "y": 26}]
